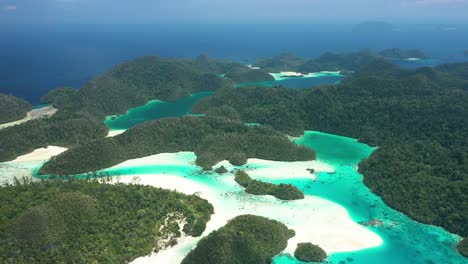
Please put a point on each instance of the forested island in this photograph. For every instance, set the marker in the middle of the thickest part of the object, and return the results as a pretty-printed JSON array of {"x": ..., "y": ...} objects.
[
  {"x": 213, "y": 139},
  {"x": 282, "y": 191},
  {"x": 77, "y": 221},
  {"x": 245, "y": 239},
  {"x": 82, "y": 111},
  {"x": 416, "y": 117},
  {"x": 309, "y": 252},
  {"x": 12, "y": 108},
  {"x": 345, "y": 62}
]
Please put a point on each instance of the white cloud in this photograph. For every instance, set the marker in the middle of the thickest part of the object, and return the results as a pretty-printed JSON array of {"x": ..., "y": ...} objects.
[
  {"x": 9, "y": 8},
  {"x": 432, "y": 2}
]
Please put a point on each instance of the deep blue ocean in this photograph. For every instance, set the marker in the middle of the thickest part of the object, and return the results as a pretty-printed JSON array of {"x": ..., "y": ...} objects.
[{"x": 35, "y": 59}]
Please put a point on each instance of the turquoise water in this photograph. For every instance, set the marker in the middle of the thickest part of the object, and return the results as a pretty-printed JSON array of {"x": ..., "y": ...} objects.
[
  {"x": 153, "y": 110},
  {"x": 297, "y": 83},
  {"x": 405, "y": 241}
]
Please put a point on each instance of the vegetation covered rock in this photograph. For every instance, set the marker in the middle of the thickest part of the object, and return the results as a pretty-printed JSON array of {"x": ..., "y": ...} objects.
[
  {"x": 281, "y": 191},
  {"x": 309, "y": 252},
  {"x": 462, "y": 247}
]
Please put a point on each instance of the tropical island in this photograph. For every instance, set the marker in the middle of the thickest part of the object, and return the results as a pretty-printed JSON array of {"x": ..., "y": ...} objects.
[
  {"x": 365, "y": 107},
  {"x": 244, "y": 239},
  {"x": 416, "y": 118},
  {"x": 309, "y": 252},
  {"x": 281, "y": 191}
]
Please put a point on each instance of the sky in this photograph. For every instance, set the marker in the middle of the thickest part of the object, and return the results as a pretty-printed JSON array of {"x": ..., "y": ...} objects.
[{"x": 57, "y": 11}]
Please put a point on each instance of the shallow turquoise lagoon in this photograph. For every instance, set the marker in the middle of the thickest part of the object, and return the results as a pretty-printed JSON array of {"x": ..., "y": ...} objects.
[
  {"x": 298, "y": 83},
  {"x": 153, "y": 110},
  {"x": 405, "y": 241}
]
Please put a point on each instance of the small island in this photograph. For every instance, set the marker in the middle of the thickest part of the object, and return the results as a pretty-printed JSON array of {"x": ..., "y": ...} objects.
[
  {"x": 282, "y": 191},
  {"x": 466, "y": 53},
  {"x": 309, "y": 252},
  {"x": 244, "y": 239}
]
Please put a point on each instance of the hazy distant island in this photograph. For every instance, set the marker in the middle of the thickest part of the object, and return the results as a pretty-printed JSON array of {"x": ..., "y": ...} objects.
[
  {"x": 374, "y": 27},
  {"x": 465, "y": 53},
  {"x": 396, "y": 53},
  {"x": 417, "y": 118}
]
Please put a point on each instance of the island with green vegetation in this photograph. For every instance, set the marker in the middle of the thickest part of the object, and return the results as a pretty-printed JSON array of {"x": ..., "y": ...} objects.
[
  {"x": 78, "y": 221},
  {"x": 346, "y": 62},
  {"x": 12, "y": 108},
  {"x": 249, "y": 76},
  {"x": 213, "y": 139},
  {"x": 282, "y": 191},
  {"x": 244, "y": 239},
  {"x": 309, "y": 252},
  {"x": 81, "y": 112},
  {"x": 396, "y": 53},
  {"x": 281, "y": 62},
  {"x": 462, "y": 247},
  {"x": 417, "y": 118}
]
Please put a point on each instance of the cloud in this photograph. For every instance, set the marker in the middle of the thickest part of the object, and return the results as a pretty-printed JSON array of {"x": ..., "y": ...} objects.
[
  {"x": 432, "y": 2},
  {"x": 9, "y": 8}
]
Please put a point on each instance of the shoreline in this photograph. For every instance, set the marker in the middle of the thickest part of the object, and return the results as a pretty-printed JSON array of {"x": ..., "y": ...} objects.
[
  {"x": 23, "y": 166},
  {"x": 314, "y": 219},
  {"x": 38, "y": 113}
]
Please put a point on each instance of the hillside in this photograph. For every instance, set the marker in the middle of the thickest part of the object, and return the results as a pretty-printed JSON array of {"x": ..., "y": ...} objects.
[
  {"x": 417, "y": 118},
  {"x": 12, "y": 108}
]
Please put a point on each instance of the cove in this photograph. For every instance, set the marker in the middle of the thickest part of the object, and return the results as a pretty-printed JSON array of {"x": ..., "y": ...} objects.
[
  {"x": 153, "y": 110},
  {"x": 405, "y": 241}
]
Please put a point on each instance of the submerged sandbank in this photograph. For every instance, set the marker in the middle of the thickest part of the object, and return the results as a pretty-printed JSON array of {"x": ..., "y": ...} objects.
[
  {"x": 314, "y": 219},
  {"x": 38, "y": 113}
]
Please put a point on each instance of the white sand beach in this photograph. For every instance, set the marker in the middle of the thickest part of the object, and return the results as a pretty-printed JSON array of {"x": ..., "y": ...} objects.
[
  {"x": 43, "y": 112},
  {"x": 314, "y": 219},
  {"x": 292, "y": 75},
  {"x": 252, "y": 67},
  {"x": 413, "y": 59},
  {"x": 23, "y": 166},
  {"x": 113, "y": 133}
]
